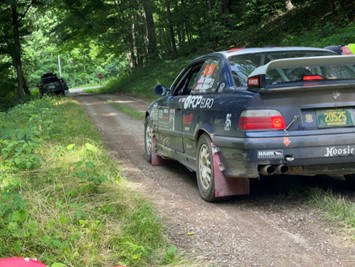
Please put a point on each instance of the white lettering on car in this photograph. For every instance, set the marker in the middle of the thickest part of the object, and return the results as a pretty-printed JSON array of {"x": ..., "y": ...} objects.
[
  {"x": 262, "y": 154},
  {"x": 339, "y": 151},
  {"x": 198, "y": 101}
]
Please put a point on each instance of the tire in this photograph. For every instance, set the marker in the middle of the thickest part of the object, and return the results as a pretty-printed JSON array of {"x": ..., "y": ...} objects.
[
  {"x": 148, "y": 139},
  {"x": 205, "y": 170},
  {"x": 350, "y": 180}
]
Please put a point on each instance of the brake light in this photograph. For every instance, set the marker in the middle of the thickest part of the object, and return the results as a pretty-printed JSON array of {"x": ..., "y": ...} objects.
[
  {"x": 312, "y": 77},
  {"x": 261, "y": 120},
  {"x": 254, "y": 82}
]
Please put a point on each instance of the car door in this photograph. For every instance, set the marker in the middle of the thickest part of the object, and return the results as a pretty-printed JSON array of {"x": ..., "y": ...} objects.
[
  {"x": 170, "y": 111},
  {"x": 198, "y": 105}
]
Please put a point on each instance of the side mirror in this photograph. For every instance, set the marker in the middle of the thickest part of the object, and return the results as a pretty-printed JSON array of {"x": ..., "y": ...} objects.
[{"x": 161, "y": 90}]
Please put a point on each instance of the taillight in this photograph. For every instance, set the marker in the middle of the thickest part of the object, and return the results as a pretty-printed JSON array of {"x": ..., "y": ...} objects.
[
  {"x": 261, "y": 120},
  {"x": 312, "y": 77}
]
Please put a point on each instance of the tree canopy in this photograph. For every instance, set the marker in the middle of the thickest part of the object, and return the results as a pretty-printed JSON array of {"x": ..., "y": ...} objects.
[{"x": 117, "y": 36}]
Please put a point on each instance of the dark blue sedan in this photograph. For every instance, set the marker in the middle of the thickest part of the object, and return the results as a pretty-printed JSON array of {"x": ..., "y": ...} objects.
[{"x": 235, "y": 115}]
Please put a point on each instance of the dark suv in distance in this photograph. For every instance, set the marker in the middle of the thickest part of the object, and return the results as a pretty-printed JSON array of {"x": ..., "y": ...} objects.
[{"x": 51, "y": 84}]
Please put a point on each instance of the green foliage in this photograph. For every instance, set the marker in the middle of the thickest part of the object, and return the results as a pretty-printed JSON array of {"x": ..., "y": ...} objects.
[
  {"x": 21, "y": 133},
  {"x": 70, "y": 208},
  {"x": 142, "y": 81},
  {"x": 17, "y": 228},
  {"x": 134, "y": 240},
  {"x": 336, "y": 207}
]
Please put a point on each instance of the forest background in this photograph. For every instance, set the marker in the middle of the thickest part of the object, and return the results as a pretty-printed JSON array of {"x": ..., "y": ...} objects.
[{"x": 116, "y": 37}]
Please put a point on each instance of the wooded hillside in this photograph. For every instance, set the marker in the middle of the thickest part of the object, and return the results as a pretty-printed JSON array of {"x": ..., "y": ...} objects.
[{"x": 113, "y": 37}]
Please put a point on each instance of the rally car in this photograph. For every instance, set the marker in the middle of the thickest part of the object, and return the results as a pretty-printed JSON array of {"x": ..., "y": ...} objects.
[
  {"x": 51, "y": 84},
  {"x": 235, "y": 115}
]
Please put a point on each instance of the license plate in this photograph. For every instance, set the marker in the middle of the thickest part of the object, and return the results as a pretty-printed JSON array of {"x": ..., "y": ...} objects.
[{"x": 335, "y": 118}]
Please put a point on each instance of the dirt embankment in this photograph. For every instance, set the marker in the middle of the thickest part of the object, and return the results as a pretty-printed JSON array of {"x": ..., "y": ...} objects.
[{"x": 262, "y": 229}]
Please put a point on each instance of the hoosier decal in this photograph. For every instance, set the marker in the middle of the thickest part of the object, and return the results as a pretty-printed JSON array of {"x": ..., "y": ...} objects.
[{"x": 339, "y": 151}]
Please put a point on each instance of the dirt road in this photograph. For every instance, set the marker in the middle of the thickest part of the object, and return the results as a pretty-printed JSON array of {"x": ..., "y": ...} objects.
[{"x": 263, "y": 229}]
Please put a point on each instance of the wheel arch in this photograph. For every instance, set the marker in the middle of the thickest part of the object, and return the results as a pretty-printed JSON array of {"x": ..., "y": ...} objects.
[{"x": 200, "y": 132}]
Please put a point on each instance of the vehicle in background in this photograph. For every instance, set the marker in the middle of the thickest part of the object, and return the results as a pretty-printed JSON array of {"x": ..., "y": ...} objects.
[
  {"x": 235, "y": 115},
  {"x": 51, "y": 84}
]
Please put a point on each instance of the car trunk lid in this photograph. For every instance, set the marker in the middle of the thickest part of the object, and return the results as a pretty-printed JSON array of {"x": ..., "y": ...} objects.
[{"x": 321, "y": 95}]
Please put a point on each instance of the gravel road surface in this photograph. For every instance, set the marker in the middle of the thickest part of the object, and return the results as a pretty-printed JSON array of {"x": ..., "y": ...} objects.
[{"x": 268, "y": 228}]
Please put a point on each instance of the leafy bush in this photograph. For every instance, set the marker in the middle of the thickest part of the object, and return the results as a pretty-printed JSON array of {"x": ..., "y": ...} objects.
[{"x": 62, "y": 198}]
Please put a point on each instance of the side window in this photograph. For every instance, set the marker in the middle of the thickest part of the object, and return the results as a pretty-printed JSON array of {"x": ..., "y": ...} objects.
[
  {"x": 184, "y": 85},
  {"x": 207, "y": 79}
]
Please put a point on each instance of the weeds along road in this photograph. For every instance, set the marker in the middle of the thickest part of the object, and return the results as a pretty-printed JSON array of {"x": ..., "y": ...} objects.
[{"x": 263, "y": 229}]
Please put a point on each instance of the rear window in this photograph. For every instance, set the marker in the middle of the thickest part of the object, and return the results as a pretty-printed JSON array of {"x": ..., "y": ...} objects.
[
  {"x": 50, "y": 79},
  {"x": 311, "y": 73},
  {"x": 243, "y": 65}
]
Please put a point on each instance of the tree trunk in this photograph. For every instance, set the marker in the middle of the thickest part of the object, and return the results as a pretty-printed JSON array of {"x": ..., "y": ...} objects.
[
  {"x": 17, "y": 54},
  {"x": 332, "y": 5},
  {"x": 171, "y": 29},
  {"x": 152, "y": 39},
  {"x": 225, "y": 7}
]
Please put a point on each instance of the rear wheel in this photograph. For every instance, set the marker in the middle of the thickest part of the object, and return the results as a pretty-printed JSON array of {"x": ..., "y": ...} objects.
[
  {"x": 148, "y": 139},
  {"x": 205, "y": 170}
]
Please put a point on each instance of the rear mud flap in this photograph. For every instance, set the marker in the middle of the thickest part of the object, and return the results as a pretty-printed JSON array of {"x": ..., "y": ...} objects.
[
  {"x": 155, "y": 159},
  {"x": 225, "y": 186}
]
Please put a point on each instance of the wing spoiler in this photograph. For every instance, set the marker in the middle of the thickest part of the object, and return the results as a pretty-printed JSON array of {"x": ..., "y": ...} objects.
[{"x": 257, "y": 78}]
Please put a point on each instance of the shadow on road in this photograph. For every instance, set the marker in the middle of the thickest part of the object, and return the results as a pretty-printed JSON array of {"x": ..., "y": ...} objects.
[{"x": 290, "y": 188}]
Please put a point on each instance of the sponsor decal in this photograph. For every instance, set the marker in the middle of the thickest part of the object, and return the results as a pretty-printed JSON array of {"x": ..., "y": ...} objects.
[
  {"x": 228, "y": 122},
  {"x": 270, "y": 154},
  {"x": 198, "y": 101},
  {"x": 286, "y": 141},
  {"x": 160, "y": 116},
  {"x": 221, "y": 87},
  {"x": 188, "y": 146},
  {"x": 336, "y": 95},
  {"x": 172, "y": 119},
  {"x": 187, "y": 119},
  {"x": 309, "y": 118},
  {"x": 154, "y": 114},
  {"x": 209, "y": 69},
  {"x": 339, "y": 151}
]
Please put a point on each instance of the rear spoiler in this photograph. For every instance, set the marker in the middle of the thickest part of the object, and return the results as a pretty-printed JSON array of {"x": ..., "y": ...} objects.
[{"x": 257, "y": 78}]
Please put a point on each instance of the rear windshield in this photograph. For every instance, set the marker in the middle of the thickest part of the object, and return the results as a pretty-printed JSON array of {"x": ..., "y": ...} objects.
[
  {"x": 310, "y": 73},
  {"x": 243, "y": 65},
  {"x": 52, "y": 79}
]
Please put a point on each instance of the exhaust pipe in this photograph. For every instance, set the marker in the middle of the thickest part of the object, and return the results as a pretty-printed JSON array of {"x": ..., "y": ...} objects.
[
  {"x": 281, "y": 169},
  {"x": 267, "y": 170}
]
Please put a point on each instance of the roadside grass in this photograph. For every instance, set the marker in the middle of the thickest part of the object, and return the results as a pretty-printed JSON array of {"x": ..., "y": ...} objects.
[
  {"x": 335, "y": 207},
  {"x": 63, "y": 199}
]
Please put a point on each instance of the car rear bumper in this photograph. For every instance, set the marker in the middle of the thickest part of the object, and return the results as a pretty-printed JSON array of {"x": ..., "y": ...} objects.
[{"x": 304, "y": 155}]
